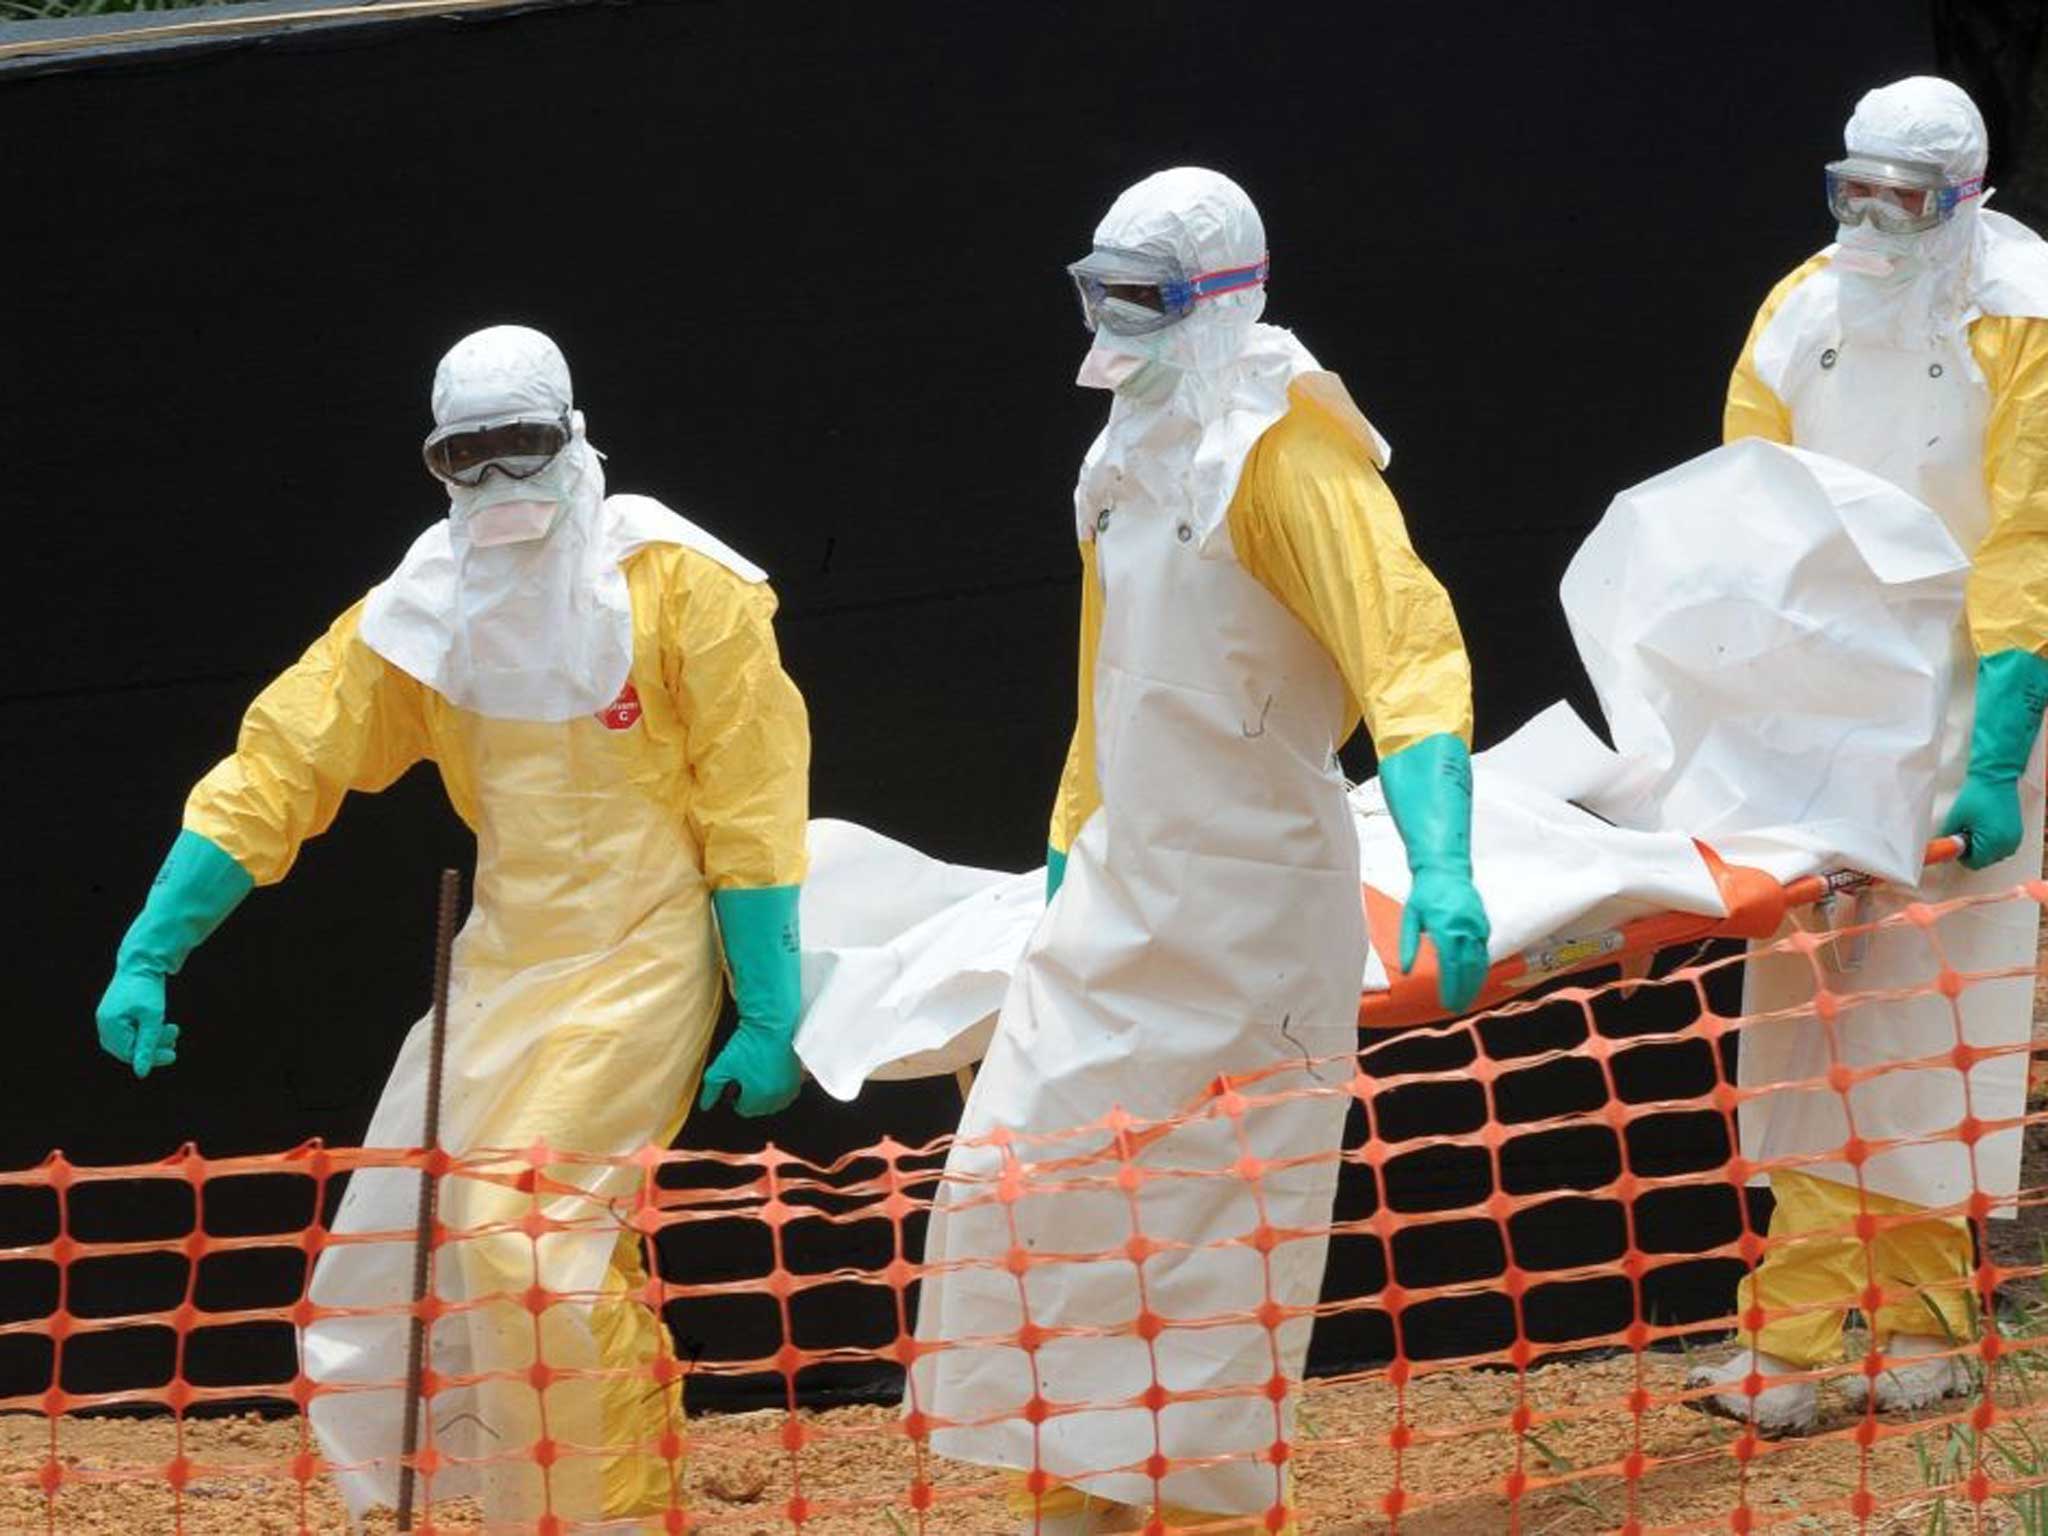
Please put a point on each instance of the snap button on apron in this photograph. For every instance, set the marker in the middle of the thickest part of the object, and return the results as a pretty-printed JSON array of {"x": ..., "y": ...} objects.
[
  {"x": 1102, "y": 520},
  {"x": 1827, "y": 358},
  {"x": 1184, "y": 533},
  {"x": 1934, "y": 370}
]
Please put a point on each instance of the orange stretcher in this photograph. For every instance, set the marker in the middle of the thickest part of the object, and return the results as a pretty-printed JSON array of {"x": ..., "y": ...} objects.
[{"x": 1757, "y": 904}]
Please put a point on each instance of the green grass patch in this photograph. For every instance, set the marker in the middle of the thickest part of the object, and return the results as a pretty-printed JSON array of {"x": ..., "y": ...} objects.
[{"x": 52, "y": 10}]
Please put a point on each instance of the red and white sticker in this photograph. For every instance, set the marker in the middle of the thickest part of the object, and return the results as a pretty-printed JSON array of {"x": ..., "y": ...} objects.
[{"x": 624, "y": 711}]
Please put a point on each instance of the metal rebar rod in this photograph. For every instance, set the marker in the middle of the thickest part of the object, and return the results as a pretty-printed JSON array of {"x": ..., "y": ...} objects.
[{"x": 423, "y": 1231}]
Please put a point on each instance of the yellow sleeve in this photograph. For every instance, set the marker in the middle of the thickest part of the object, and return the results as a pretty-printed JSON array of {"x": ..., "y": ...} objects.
[
  {"x": 1079, "y": 793},
  {"x": 747, "y": 735},
  {"x": 341, "y": 718},
  {"x": 2007, "y": 597},
  {"x": 1315, "y": 524},
  {"x": 1753, "y": 408}
]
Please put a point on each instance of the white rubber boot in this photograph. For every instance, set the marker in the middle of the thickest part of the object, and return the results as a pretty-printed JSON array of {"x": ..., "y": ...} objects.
[
  {"x": 1786, "y": 1409},
  {"x": 1909, "y": 1382}
]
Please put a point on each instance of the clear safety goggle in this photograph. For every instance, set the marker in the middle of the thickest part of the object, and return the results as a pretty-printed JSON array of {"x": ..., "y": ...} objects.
[
  {"x": 1132, "y": 293},
  {"x": 1898, "y": 197},
  {"x": 517, "y": 447}
]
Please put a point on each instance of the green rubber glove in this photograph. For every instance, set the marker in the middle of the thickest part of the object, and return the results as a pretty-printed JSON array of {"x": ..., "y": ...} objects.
[
  {"x": 1428, "y": 787},
  {"x": 198, "y": 886},
  {"x": 763, "y": 953},
  {"x": 2012, "y": 689},
  {"x": 1055, "y": 871}
]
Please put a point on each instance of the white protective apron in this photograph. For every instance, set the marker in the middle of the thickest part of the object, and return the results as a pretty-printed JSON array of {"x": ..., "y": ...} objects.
[
  {"x": 1209, "y": 923},
  {"x": 1918, "y": 419}
]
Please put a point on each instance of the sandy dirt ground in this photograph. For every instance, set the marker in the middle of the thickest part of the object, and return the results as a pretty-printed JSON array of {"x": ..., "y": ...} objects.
[{"x": 858, "y": 1468}]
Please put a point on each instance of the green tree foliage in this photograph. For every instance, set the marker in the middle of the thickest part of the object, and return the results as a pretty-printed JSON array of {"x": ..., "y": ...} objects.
[{"x": 48, "y": 10}]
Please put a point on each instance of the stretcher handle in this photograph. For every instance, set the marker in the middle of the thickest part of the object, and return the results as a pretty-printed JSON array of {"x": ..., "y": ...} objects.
[
  {"x": 1412, "y": 998},
  {"x": 1811, "y": 888}
]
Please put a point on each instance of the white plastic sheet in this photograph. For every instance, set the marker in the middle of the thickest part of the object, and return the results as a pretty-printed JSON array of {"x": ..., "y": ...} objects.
[
  {"x": 1768, "y": 631},
  {"x": 905, "y": 958}
]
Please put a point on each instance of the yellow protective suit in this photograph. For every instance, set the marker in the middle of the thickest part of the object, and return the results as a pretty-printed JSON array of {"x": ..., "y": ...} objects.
[
  {"x": 1923, "y": 1264},
  {"x": 1817, "y": 1268},
  {"x": 586, "y": 986},
  {"x": 1315, "y": 524}
]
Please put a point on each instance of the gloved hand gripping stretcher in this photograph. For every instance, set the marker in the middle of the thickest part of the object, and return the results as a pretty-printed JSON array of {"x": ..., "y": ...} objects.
[{"x": 1772, "y": 635}]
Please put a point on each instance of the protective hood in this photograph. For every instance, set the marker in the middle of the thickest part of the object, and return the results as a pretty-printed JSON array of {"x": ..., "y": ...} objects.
[
  {"x": 502, "y": 370},
  {"x": 1204, "y": 221},
  {"x": 1207, "y": 387},
  {"x": 514, "y": 606},
  {"x": 1909, "y": 290}
]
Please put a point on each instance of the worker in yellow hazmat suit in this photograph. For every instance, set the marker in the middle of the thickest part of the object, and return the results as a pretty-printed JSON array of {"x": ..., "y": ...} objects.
[
  {"x": 598, "y": 683},
  {"x": 1916, "y": 348},
  {"x": 1248, "y": 593}
]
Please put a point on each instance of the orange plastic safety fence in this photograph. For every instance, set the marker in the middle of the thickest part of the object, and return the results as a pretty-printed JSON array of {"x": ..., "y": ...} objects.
[{"x": 1503, "y": 1403}]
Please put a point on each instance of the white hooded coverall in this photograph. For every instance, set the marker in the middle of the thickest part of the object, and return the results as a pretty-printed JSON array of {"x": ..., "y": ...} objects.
[{"x": 1129, "y": 1314}]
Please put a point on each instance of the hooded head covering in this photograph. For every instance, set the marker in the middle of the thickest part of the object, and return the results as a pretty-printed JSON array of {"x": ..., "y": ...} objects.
[
  {"x": 1207, "y": 224},
  {"x": 514, "y": 606},
  {"x": 495, "y": 375},
  {"x": 1194, "y": 396},
  {"x": 502, "y": 370},
  {"x": 1909, "y": 289}
]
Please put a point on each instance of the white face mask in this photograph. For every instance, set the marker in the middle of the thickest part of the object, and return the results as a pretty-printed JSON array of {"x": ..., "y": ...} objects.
[
  {"x": 1135, "y": 378},
  {"x": 512, "y": 522},
  {"x": 1872, "y": 252},
  {"x": 505, "y": 511}
]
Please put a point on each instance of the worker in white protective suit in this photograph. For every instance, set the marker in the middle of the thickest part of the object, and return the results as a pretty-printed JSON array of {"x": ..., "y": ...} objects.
[
  {"x": 1916, "y": 347},
  {"x": 597, "y": 681},
  {"x": 1248, "y": 591}
]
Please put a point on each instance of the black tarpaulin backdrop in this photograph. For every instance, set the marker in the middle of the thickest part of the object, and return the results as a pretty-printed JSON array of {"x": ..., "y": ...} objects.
[{"x": 805, "y": 263}]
